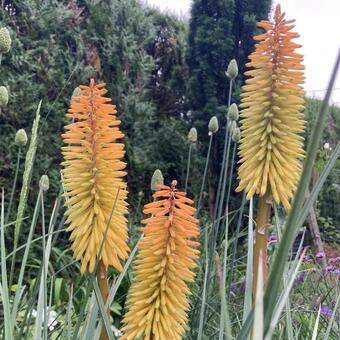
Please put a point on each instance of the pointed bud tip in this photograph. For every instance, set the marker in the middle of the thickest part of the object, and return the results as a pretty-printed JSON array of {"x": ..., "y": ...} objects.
[
  {"x": 157, "y": 179},
  {"x": 192, "y": 135},
  {"x": 233, "y": 113},
  {"x": 44, "y": 183},
  {"x": 232, "y": 70},
  {"x": 21, "y": 138},
  {"x": 5, "y": 40},
  {"x": 3, "y": 96},
  {"x": 213, "y": 124}
]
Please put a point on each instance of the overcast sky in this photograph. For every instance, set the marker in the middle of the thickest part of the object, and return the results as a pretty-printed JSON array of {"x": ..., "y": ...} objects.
[{"x": 317, "y": 22}]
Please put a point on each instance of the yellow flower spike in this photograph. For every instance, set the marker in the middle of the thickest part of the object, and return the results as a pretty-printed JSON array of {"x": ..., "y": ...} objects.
[
  {"x": 271, "y": 148},
  {"x": 93, "y": 180},
  {"x": 158, "y": 298}
]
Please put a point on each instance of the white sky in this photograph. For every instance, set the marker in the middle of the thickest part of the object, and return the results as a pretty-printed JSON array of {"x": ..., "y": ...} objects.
[{"x": 317, "y": 22}]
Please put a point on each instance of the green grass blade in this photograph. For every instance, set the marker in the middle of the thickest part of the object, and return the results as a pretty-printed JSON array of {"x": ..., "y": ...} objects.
[
  {"x": 329, "y": 327},
  {"x": 102, "y": 308},
  {"x": 29, "y": 161},
  {"x": 24, "y": 260},
  {"x": 248, "y": 301},
  {"x": 4, "y": 289},
  {"x": 275, "y": 276},
  {"x": 316, "y": 325}
]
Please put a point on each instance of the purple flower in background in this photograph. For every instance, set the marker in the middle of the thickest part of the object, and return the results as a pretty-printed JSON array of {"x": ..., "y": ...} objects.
[
  {"x": 330, "y": 268},
  {"x": 337, "y": 272},
  {"x": 313, "y": 270},
  {"x": 333, "y": 260},
  {"x": 300, "y": 276},
  {"x": 305, "y": 258},
  {"x": 320, "y": 255},
  {"x": 327, "y": 311},
  {"x": 272, "y": 238}
]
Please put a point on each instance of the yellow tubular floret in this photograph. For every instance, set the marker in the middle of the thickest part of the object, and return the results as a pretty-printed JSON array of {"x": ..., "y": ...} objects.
[
  {"x": 93, "y": 180},
  {"x": 158, "y": 299},
  {"x": 272, "y": 102}
]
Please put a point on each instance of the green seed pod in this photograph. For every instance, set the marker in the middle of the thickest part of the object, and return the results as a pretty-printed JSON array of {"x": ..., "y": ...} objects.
[
  {"x": 233, "y": 112},
  {"x": 213, "y": 125},
  {"x": 76, "y": 93},
  {"x": 44, "y": 183},
  {"x": 3, "y": 96},
  {"x": 157, "y": 179},
  {"x": 21, "y": 138},
  {"x": 236, "y": 135},
  {"x": 5, "y": 40},
  {"x": 192, "y": 135},
  {"x": 232, "y": 70}
]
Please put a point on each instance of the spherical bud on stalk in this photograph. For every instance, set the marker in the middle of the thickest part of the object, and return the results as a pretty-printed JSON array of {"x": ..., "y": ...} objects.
[
  {"x": 236, "y": 135},
  {"x": 5, "y": 40},
  {"x": 157, "y": 179},
  {"x": 232, "y": 70},
  {"x": 21, "y": 138},
  {"x": 44, "y": 183},
  {"x": 233, "y": 112},
  {"x": 213, "y": 125},
  {"x": 76, "y": 93},
  {"x": 192, "y": 135},
  {"x": 3, "y": 96}
]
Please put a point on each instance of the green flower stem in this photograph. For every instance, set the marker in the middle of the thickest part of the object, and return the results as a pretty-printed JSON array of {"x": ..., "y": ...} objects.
[
  {"x": 199, "y": 205},
  {"x": 261, "y": 238},
  {"x": 188, "y": 168},
  {"x": 8, "y": 214}
]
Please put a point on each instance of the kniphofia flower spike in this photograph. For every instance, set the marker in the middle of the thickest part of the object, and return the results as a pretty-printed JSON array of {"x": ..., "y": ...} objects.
[
  {"x": 272, "y": 100},
  {"x": 93, "y": 180},
  {"x": 158, "y": 299}
]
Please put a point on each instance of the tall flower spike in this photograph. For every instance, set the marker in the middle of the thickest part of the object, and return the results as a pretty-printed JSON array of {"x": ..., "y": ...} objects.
[
  {"x": 271, "y": 148},
  {"x": 158, "y": 299},
  {"x": 93, "y": 180}
]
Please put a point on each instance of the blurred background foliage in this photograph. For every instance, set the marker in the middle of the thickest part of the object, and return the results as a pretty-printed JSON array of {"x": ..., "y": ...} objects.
[{"x": 164, "y": 73}]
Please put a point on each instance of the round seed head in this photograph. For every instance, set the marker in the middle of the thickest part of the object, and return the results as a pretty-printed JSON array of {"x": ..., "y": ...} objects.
[
  {"x": 232, "y": 125},
  {"x": 192, "y": 135},
  {"x": 3, "y": 96},
  {"x": 213, "y": 125},
  {"x": 21, "y": 138},
  {"x": 5, "y": 40},
  {"x": 233, "y": 112},
  {"x": 157, "y": 179},
  {"x": 232, "y": 70},
  {"x": 44, "y": 183}
]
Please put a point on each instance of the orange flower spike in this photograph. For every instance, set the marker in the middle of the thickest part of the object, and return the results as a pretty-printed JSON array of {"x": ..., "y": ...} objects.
[
  {"x": 93, "y": 179},
  {"x": 271, "y": 148},
  {"x": 158, "y": 299}
]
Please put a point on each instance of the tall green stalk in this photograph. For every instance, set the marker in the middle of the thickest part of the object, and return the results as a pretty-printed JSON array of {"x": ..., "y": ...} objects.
[
  {"x": 199, "y": 205},
  {"x": 188, "y": 168},
  {"x": 8, "y": 213}
]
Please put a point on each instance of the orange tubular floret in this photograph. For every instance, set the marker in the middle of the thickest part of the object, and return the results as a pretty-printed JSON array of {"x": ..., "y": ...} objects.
[{"x": 158, "y": 299}]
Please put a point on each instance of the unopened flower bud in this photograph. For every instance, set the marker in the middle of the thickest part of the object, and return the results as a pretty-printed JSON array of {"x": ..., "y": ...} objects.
[
  {"x": 5, "y": 40},
  {"x": 233, "y": 112},
  {"x": 232, "y": 70},
  {"x": 3, "y": 96},
  {"x": 236, "y": 135},
  {"x": 44, "y": 183},
  {"x": 213, "y": 125},
  {"x": 21, "y": 138},
  {"x": 192, "y": 135},
  {"x": 157, "y": 179}
]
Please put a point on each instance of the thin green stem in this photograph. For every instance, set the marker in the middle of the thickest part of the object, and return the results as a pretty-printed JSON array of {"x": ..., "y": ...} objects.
[
  {"x": 205, "y": 173},
  {"x": 8, "y": 214},
  {"x": 188, "y": 168}
]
